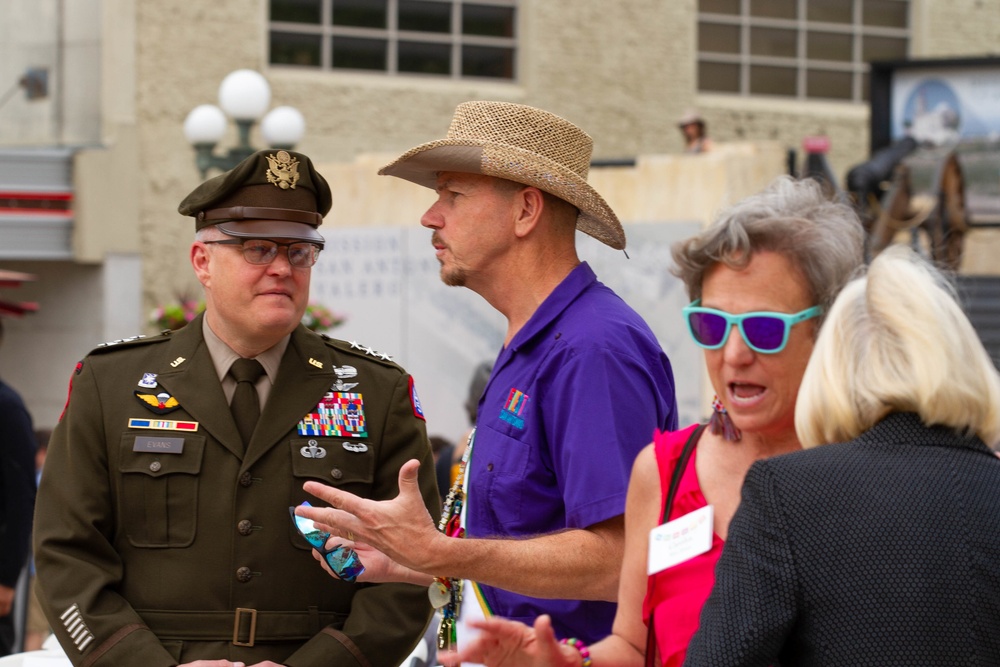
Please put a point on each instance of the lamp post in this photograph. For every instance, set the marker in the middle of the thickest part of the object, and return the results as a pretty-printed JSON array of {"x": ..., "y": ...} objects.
[{"x": 244, "y": 96}]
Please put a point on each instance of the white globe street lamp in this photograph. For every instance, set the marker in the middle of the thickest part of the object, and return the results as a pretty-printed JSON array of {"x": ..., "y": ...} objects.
[{"x": 244, "y": 96}]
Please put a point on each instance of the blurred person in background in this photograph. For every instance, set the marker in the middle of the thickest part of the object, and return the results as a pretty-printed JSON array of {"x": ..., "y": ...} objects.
[
  {"x": 36, "y": 628},
  {"x": 17, "y": 500},
  {"x": 695, "y": 132}
]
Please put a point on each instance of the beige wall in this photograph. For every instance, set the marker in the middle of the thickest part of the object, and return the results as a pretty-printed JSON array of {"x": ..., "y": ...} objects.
[
  {"x": 659, "y": 188},
  {"x": 956, "y": 28},
  {"x": 603, "y": 70},
  {"x": 624, "y": 71},
  {"x": 623, "y": 75}
]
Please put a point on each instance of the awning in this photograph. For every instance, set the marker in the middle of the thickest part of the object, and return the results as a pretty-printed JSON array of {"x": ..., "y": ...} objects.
[{"x": 16, "y": 308}]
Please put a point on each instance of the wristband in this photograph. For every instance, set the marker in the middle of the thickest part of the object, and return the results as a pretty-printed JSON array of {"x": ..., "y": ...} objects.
[{"x": 581, "y": 647}]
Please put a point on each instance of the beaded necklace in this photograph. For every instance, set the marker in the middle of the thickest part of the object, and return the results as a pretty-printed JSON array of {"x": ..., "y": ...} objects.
[{"x": 445, "y": 593}]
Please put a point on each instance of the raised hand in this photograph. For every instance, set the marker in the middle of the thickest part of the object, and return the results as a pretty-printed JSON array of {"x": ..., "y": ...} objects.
[
  {"x": 401, "y": 528},
  {"x": 379, "y": 568},
  {"x": 505, "y": 643}
]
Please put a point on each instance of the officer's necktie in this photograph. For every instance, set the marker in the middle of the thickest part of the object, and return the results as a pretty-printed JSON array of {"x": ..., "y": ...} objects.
[{"x": 245, "y": 404}]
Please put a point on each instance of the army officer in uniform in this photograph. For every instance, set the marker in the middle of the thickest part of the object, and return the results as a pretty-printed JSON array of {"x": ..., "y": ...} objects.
[{"x": 162, "y": 532}]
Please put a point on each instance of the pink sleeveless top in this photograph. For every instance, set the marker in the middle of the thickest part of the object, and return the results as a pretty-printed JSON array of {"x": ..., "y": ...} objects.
[{"x": 678, "y": 593}]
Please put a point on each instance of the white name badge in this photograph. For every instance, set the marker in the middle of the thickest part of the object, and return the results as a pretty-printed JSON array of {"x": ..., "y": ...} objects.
[{"x": 681, "y": 539}]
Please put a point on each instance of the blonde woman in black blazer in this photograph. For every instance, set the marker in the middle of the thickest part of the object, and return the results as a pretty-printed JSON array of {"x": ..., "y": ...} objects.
[{"x": 883, "y": 550}]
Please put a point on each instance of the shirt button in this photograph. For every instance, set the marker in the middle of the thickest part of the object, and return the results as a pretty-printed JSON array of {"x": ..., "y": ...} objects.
[
  {"x": 245, "y": 527},
  {"x": 155, "y": 466},
  {"x": 336, "y": 473},
  {"x": 489, "y": 466},
  {"x": 246, "y": 479},
  {"x": 243, "y": 575}
]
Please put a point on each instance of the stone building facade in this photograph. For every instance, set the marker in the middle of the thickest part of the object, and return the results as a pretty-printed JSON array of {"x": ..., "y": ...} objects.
[{"x": 123, "y": 74}]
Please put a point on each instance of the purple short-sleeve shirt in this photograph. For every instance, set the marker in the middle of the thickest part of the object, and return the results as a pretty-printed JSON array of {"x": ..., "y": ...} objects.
[{"x": 573, "y": 398}]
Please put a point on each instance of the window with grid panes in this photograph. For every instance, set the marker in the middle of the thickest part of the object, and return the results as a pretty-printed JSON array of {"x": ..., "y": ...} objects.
[
  {"x": 806, "y": 49},
  {"x": 442, "y": 38}
]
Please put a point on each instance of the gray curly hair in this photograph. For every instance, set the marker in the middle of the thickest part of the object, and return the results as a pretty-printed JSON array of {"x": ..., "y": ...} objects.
[{"x": 821, "y": 237}]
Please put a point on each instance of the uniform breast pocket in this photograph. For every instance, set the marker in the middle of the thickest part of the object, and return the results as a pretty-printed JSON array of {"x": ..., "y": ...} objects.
[
  {"x": 345, "y": 464},
  {"x": 159, "y": 498},
  {"x": 500, "y": 474}
]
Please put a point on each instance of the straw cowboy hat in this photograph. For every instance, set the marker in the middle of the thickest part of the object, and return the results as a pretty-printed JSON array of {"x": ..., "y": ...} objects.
[{"x": 521, "y": 144}]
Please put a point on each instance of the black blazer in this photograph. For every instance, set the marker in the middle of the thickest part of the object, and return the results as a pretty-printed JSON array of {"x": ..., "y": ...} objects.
[{"x": 881, "y": 551}]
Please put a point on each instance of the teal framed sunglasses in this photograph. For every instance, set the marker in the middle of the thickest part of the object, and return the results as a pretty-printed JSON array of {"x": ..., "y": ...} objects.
[{"x": 763, "y": 331}]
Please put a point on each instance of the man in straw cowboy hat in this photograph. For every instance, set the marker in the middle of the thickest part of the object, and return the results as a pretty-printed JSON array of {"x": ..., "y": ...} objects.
[
  {"x": 577, "y": 390},
  {"x": 162, "y": 528}
]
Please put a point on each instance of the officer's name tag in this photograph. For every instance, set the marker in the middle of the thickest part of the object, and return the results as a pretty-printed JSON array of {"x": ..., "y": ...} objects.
[
  {"x": 680, "y": 540},
  {"x": 145, "y": 443}
]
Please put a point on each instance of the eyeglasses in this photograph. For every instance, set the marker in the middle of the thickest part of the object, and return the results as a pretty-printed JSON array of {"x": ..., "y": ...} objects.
[
  {"x": 763, "y": 331},
  {"x": 344, "y": 561},
  {"x": 263, "y": 251}
]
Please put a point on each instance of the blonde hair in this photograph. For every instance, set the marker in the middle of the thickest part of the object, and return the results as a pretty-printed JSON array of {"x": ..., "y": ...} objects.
[{"x": 896, "y": 340}]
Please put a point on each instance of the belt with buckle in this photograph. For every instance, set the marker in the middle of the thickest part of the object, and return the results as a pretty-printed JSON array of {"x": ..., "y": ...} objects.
[{"x": 243, "y": 627}]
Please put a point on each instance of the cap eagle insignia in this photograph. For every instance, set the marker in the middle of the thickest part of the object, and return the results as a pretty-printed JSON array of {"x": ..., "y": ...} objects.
[{"x": 284, "y": 171}]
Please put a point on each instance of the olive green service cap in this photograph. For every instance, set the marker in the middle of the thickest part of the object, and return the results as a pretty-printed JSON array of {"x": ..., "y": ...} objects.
[{"x": 272, "y": 193}]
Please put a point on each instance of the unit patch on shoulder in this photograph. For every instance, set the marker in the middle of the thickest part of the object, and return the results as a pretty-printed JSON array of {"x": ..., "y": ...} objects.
[
  {"x": 339, "y": 414},
  {"x": 418, "y": 410},
  {"x": 69, "y": 392}
]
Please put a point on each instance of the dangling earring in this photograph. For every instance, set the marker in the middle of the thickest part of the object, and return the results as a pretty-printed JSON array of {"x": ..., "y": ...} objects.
[{"x": 720, "y": 422}]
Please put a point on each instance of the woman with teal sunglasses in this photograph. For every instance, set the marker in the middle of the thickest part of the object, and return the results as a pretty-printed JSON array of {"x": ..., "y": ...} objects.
[{"x": 768, "y": 268}]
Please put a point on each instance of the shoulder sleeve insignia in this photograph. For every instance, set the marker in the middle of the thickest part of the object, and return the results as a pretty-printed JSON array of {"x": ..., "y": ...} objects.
[
  {"x": 418, "y": 410},
  {"x": 69, "y": 392}
]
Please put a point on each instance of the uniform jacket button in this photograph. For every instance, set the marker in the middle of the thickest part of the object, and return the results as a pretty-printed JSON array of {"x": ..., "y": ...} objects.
[
  {"x": 336, "y": 473},
  {"x": 245, "y": 527},
  {"x": 155, "y": 466},
  {"x": 243, "y": 575},
  {"x": 246, "y": 479}
]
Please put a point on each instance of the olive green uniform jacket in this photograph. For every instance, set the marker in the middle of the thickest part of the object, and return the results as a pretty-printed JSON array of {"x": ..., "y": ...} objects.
[{"x": 145, "y": 558}]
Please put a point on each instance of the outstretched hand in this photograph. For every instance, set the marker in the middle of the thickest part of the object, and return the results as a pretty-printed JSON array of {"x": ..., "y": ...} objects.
[
  {"x": 379, "y": 568},
  {"x": 505, "y": 643},
  {"x": 401, "y": 528}
]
